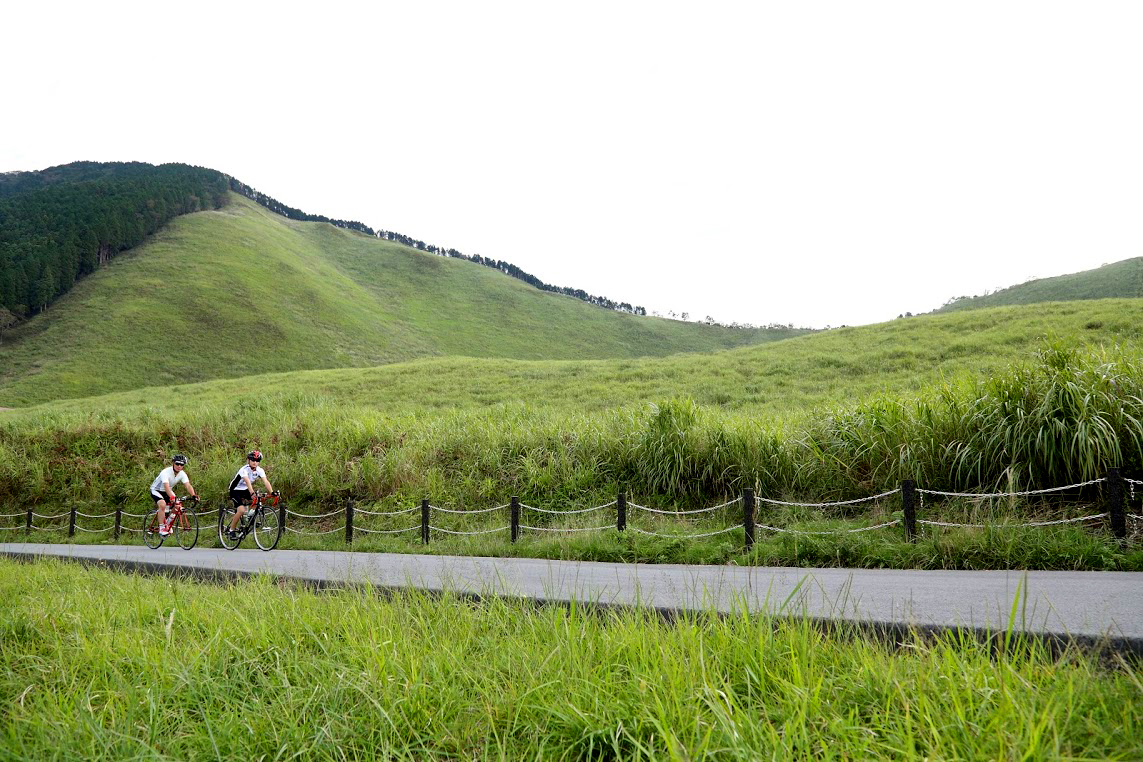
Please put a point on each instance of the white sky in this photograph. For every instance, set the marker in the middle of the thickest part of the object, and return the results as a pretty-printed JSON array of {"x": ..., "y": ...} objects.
[{"x": 820, "y": 163}]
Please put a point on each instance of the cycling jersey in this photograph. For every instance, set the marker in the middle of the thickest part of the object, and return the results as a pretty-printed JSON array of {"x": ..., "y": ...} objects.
[
  {"x": 169, "y": 476},
  {"x": 237, "y": 483}
]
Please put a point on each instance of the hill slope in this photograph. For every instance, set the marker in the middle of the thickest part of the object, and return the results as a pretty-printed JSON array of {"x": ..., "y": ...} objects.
[
  {"x": 1119, "y": 280},
  {"x": 777, "y": 380},
  {"x": 240, "y": 291}
]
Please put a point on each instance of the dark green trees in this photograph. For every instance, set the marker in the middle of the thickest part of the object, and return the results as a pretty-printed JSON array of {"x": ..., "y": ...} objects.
[{"x": 62, "y": 223}]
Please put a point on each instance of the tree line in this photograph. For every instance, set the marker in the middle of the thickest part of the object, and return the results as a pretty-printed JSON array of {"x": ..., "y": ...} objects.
[
  {"x": 61, "y": 223},
  {"x": 497, "y": 264}
]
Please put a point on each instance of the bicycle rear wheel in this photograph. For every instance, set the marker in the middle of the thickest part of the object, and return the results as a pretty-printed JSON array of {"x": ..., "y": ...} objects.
[
  {"x": 151, "y": 534},
  {"x": 225, "y": 515},
  {"x": 267, "y": 528},
  {"x": 186, "y": 528}
]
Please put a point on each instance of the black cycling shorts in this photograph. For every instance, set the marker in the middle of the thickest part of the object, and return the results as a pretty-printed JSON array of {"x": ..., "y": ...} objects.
[
  {"x": 157, "y": 497},
  {"x": 239, "y": 496}
]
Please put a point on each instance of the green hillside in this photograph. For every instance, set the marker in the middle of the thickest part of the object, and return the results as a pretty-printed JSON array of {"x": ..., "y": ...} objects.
[
  {"x": 241, "y": 291},
  {"x": 774, "y": 380},
  {"x": 988, "y": 400},
  {"x": 1119, "y": 280}
]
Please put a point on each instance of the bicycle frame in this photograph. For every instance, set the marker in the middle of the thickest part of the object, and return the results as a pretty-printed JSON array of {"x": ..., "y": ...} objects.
[
  {"x": 261, "y": 504},
  {"x": 178, "y": 519}
]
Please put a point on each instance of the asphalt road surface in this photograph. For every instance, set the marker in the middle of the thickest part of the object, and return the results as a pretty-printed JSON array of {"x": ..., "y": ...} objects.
[{"x": 1088, "y": 607}]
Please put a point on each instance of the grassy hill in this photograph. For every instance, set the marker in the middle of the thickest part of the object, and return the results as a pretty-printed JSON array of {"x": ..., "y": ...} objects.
[
  {"x": 777, "y": 380},
  {"x": 242, "y": 291},
  {"x": 1119, "y": 280},
  {"x": 987, "y": 400}
]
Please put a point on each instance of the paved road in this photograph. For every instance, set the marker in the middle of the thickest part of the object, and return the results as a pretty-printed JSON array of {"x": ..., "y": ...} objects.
[{"x": 1087, "y": 606}]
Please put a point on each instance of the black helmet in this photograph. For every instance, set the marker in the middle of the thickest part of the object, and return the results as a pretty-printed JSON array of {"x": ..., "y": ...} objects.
[
  {"x": 179, "y": 460},
  {"x": 254, "y": 455}
]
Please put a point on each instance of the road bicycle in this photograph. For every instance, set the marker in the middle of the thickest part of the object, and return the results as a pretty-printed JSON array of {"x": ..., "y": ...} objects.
[
  {"x": 261, "y": 519},
  {"x": 181, "y": 521}
]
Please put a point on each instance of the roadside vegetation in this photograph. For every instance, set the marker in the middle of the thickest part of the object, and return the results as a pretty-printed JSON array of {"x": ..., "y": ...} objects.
[
  {"x": 100, "y": 665},
  {"x": 1060, "y": 418}
]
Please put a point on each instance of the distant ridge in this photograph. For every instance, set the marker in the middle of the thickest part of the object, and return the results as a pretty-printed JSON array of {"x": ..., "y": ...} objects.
[
  {"x": 64, "y": 222},
  {"x": 1119, "y": 280},
  {"x": 241, "y": 290},
  {"x": 496, "y": 264}
]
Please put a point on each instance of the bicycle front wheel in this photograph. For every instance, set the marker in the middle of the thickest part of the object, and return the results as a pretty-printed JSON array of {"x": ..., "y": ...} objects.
[
  {"x": 186, "y": 528},
  {"x": 267, "y": 529},
  {"x": 151, "y": 534},
  {"x": 225, "y": 515}
]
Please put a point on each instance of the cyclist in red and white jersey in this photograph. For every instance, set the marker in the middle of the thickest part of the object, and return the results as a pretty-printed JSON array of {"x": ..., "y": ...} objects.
[
  {"x": 242, "y": 486},
  {"x": 163, "y": 488}
]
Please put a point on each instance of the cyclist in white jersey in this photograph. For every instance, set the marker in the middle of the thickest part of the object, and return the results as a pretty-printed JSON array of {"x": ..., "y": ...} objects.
[
  {"x": 163, "y": 488},
  {"x": 242, "y": 486}
]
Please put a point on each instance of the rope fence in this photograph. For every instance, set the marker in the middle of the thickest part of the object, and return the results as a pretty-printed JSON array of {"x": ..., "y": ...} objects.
[{"x": 1117, "y": 491}]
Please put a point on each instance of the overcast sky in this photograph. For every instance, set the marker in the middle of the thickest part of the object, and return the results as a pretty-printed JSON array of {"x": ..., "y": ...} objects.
[{"x": 820, "y": 163}]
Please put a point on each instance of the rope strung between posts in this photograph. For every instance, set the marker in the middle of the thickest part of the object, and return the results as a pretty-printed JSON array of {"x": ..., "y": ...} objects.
[
  {"x": 134, "y": 515},
  {"x": 1015, "y": 526},
  {"x": 13, "y": 529},
  {"x": 485, "y": 531},
  {"x": 568, "y": 513},
  {"x": 1025, "y": 493},
  {"x": 51, "y": 518},
  {"x": 364, "y": 512},
  {"x": 830, "y": 504},
  {"x": 12, "y": 515},
  {"x": 315, "y": 516},
  {"x": 466, "y": 513},
  {"x": 93, "y": 531},
  {"x": 682, "y": 513},
  {"x": 95, "y": 516},
  {"x": 385, "y": 531},
  {"x": 637, "y": 530},
  {"x": 329, "y": 531},
  {"x": 567, "y": 529},
  {"x": 894, "y": 522}
]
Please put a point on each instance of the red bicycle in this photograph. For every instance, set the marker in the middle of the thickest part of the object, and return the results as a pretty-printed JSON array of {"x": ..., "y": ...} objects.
[{"x": 181, "y": 521}]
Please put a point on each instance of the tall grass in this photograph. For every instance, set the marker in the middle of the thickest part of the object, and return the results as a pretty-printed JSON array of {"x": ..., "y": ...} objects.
[
  {"x": 1062, "y": 419},
  {"x": 97, "y": 665}
]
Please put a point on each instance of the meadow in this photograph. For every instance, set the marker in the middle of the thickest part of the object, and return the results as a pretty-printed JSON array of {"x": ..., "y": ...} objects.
[
  {"x": 1060, "y": 417},
  {"x": 100, "y": 665}
]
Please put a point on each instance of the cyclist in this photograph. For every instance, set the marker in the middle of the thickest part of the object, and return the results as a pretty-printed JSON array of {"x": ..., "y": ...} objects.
[
  {"x": 163, "y": 489},
  {"x": 242, "y": 486}
]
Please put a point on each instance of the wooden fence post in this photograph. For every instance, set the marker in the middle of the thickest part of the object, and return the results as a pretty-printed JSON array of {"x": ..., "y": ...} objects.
[
  {"x": 621, "y": 512},
  {"x": 425, "y": 522},
  {"x": 349, "y": 521},
  {"x": 28, "y": 526},
  {"x": 908, "y": 501},
  {"x": 281, "y": 513},
  {"x": 118, "y": 520},
  {"x": 1115, "y": 509},
  {"x": 515, "y": 518},
  {"x": 71, "y": 522},
  {"x": 748, "y": 516}
]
